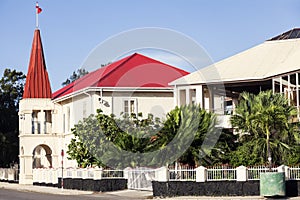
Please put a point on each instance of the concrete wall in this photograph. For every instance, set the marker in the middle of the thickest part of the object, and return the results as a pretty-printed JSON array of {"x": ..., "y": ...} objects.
[
  {"x": 103, "y": 185},
  {"x": 216, "y": 188}
]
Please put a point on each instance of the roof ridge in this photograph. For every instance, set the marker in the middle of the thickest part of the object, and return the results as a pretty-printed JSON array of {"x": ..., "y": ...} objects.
[
  {"x": 69, "y": 86},
  {"x": 108, "y": 75},
  {"x": 125, "y": 60},
  {"x": 169, "y": 65}
]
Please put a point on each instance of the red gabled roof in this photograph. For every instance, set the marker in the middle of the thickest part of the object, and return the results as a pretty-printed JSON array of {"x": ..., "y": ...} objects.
[
  {"x": 135, "y": 71},
  {"x": 37, "y": 80}
]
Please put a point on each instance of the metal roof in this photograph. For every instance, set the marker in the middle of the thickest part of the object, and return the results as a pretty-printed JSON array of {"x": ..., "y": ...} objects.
[
  {"x": 37, "y": 81},
  {"x": 291, "y": 34},
  {"x": 134, "y": 71},
  {"x": 271, "y": 58}
]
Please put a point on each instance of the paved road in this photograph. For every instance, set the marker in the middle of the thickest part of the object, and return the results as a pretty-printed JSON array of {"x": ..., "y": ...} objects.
[
  {"x": 22, "y": 192},
  {"x": 20, "y": 195},
  {"x": 6, "y": 194},
  {"x": 30, "y": 192}
]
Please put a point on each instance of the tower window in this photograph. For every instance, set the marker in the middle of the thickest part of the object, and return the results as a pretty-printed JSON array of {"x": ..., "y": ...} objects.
[{"x": 130, "y": 106}]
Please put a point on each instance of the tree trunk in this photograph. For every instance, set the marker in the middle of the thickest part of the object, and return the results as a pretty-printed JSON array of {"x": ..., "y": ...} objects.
[{"x": 269, "y": 152}]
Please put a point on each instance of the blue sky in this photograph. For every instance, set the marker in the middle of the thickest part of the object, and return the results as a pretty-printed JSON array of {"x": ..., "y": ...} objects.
[{"x": 71, "y": 29}]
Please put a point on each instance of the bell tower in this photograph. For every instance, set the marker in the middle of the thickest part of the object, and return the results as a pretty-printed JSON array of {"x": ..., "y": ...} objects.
[{"x": 38, "y": 143}]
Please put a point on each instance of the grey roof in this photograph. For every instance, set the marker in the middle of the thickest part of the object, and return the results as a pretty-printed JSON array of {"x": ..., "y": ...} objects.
[{"x": 271, "y": 58}]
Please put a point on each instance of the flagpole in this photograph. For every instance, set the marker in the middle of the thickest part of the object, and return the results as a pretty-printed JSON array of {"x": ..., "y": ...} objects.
[
  {"x": 36, "y": 15},
  {"x": 37, "y": 20}
]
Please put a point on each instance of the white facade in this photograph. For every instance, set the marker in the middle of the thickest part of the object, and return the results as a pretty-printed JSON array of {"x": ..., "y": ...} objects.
[
  {"x": 45, "y": 124},
  {"x": 39, "y": 141},
  {"x": 134, "y": 84},
  {"x": 272, "y": 65}
]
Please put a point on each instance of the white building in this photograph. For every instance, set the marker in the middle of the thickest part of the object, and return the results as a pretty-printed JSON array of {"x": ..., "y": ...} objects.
[
  {"x": 272, "y": 65},
  {"x": 140, "y": 84},
  {"x": 135, "y": 84}
]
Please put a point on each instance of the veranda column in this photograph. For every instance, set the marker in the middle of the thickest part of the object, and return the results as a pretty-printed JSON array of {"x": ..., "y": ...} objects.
[
  {"x": 27, "y": 123},
  {"x": 187, "y": 96},
  {"x": 199, "y": 96},
  {"x": 42, "y": 121},
  {"x": 297, "y": 93},
  {"x": 175, "y": 96},
  {"x": 26, "y": 170},
  {"x": 211, "y": 98}
]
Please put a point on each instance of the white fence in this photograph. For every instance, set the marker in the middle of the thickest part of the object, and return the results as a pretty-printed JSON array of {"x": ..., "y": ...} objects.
[
  {"x": 182, "y": 173},
  {"x": 51, "y": 175},
  {"x": 200, "y": 174},
  {"x": 226, "y": 173},
  {"x": 141, "y": 178},
  {"x": 254, "y": 172},
  {"x": 294, "y": 173},
  {"x": 221, "y": 173},
  {"x": 9, "y": 174}
]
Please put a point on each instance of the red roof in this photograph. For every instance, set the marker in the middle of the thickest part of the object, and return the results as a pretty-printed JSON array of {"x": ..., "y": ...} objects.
[
  {"x": 37, "y": 80},
  {"x": 135, "y": 71}
]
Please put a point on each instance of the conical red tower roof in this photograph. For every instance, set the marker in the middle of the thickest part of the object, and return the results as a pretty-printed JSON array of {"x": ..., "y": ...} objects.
[{"x": 37, "y": 80}]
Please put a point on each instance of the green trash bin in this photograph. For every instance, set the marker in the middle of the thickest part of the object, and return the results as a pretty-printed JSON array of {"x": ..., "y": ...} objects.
[{"x": 272, "y": 184}]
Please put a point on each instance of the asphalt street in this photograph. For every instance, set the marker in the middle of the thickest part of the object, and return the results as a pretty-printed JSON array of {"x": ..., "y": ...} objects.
[
  {"x": 30, "y": 192},
  {"x": 6, "y": 194}
]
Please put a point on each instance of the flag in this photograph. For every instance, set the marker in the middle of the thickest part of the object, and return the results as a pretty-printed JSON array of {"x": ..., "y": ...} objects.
[{"x": 38, "y": 9}]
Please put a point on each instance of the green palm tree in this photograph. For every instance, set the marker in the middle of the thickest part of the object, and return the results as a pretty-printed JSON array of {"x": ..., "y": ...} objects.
[
  {"x": 264, "y": 120},
  {"x": 176, "y": 121}
]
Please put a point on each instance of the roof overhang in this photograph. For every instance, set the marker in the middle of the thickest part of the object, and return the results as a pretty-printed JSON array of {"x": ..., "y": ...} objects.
[
  {"x": 112, "y": 89},
  {"x": 262, "y": 62}
]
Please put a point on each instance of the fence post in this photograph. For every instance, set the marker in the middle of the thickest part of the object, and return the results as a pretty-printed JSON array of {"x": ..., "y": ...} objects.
[
  {"x": 287, "y": 173},
  {"x": 34, "y": 177},
  {"x": 11, "y": 174},
  {"x": 74, "y": 173},
  {"x": 1, "y": 174},
  {"x": 241, "y": 173},
  {"x": 84, "y": 174},
  {"x": 282, "y": 168},
  {"x": 201, "y": 175},
  {"x": 98, "y": 173},
  {"x": 54, "y": 176},
  {"x": 126, "y": 172},
  {"x": 38, "y": 175},
  {"x": 162, "y": 174},
  {"x": 47, "y": 173}
]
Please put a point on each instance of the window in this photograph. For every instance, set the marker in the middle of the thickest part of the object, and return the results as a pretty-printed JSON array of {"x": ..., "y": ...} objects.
[
  {"x": 64, "y": 123},
  {"x": 68, "y": 118},
  {"x": 48, "y": 121},
  {"x": 182, "y": 97},
  {"x": 48, "y": 116},
  {"x": 84, "y": 110},
  {"x": 36, "y": 127},
  {"x": 192, "y": 96},
  {"x": 130, "y": 106}
]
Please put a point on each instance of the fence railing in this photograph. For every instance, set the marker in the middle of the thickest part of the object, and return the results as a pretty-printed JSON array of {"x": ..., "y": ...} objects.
[
  {"x": 254, "y": 172},
  {"x": 9, "y": 174},
  {"x": 182, "y": 174},
  {"x": 294, "y": 173},
  {"x": 200, "y": 174},
  {"x": 227, "y": 173},
  {"x": 221, "y": 173},
  {"x": 141, "y": 178},
  {"x": 51, "y": 175},
  {"x": 111, "y": 174}
]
